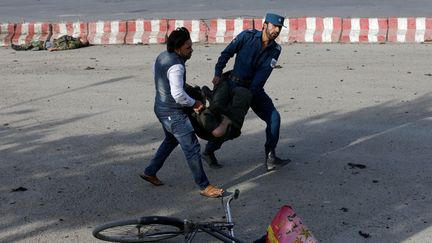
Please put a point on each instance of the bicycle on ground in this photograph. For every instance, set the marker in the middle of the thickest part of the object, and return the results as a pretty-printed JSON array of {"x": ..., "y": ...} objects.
[{"x": 158, "y": 228}]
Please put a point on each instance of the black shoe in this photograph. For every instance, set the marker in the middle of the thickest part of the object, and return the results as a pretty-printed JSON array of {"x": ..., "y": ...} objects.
[
  {"x": 211, "y": 160},
  {"x": 17, "y": 47},
  {"x": 207, "y": 93},
  {"x": 272, "y": 161}
]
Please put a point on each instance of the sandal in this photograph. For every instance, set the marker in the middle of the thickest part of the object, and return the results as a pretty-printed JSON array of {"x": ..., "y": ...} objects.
[
  {"x": 152, "y": 179},
  {"x": 211, "y": 191}
]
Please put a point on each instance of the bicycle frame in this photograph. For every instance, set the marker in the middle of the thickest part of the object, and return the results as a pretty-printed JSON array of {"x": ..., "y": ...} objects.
[{"x": 215, "y": 229}]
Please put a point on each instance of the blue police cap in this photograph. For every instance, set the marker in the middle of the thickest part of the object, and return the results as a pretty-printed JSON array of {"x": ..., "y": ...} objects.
[{"x": 275, "y": 19}]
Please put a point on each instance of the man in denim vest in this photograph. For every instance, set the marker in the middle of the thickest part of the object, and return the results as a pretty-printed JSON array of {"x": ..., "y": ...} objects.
[
  {"x": 256, "y": 56},
  {"x": 170, "y": 101}
]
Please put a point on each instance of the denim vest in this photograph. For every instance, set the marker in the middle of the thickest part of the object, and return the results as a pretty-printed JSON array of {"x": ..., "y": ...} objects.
[{"x": 164, "y": 101}]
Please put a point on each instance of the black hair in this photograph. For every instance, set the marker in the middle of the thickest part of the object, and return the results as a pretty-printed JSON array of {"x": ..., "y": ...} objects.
[
  {"x": 177, "y": 38},
  {"x": 265, "y": 22}
]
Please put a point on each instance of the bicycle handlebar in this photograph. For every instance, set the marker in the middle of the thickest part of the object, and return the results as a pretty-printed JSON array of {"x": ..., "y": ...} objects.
[{"x": 230, "y": 195}]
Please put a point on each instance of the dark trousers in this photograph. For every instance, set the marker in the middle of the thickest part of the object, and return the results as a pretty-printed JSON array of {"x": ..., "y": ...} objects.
[
  {"x": 263, "y": 106},
  {"x": 233, "y": 103}
]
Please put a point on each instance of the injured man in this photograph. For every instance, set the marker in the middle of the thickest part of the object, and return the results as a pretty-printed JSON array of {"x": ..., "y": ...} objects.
[{"x": 227, "y": 107}]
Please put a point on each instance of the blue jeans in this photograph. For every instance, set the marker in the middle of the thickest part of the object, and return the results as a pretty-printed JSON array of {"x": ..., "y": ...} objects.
[
  {"x": 263, "y": 106},
  {"x": 179, "y": 130}
]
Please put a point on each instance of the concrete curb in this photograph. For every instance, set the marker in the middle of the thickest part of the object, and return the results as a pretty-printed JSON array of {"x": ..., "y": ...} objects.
[
  {"x": 27, "y": 32},
  {"x": 107, "y": 32},
  {"x": 146, "y": 31},
  {"x": 222, "y": 31},
  {"x": 319, "y": 30},
  {"x": 409, "y": 29},
  {"x": 364, "y": 30},
  {"x": 75, "y": 29}
]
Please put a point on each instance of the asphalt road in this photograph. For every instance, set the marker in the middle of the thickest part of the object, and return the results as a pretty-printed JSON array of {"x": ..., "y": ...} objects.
[
  {"x": 78, "y": 126},
  {"x": 92, "y": 10}
]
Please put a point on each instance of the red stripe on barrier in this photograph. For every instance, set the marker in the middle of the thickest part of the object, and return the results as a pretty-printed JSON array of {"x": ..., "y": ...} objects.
[
  {"x": 412, "y": 27},
  {"x": 7, "y": 31},
  {"x": 364, "y": 28},
  {"x": 428, "y": 30}
]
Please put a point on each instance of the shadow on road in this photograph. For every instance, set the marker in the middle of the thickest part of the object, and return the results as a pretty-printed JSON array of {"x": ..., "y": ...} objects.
[{"x": 89, "y": 179}]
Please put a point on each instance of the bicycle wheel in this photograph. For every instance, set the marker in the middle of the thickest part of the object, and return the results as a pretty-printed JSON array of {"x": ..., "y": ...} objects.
[{"x": 145, "y": 229}]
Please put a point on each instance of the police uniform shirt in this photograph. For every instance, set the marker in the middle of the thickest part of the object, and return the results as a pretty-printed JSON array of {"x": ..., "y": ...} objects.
[{"x": 252, "y": 62}]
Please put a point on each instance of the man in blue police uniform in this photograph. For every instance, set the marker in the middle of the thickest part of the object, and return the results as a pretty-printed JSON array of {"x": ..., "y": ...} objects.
[{"x": 256, "y": 55}]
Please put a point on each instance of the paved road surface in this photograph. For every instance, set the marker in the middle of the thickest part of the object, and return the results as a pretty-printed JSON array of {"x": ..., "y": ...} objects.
[
  {"x": 77, "y": 127},
  {"x": 91, "y": 10}
]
